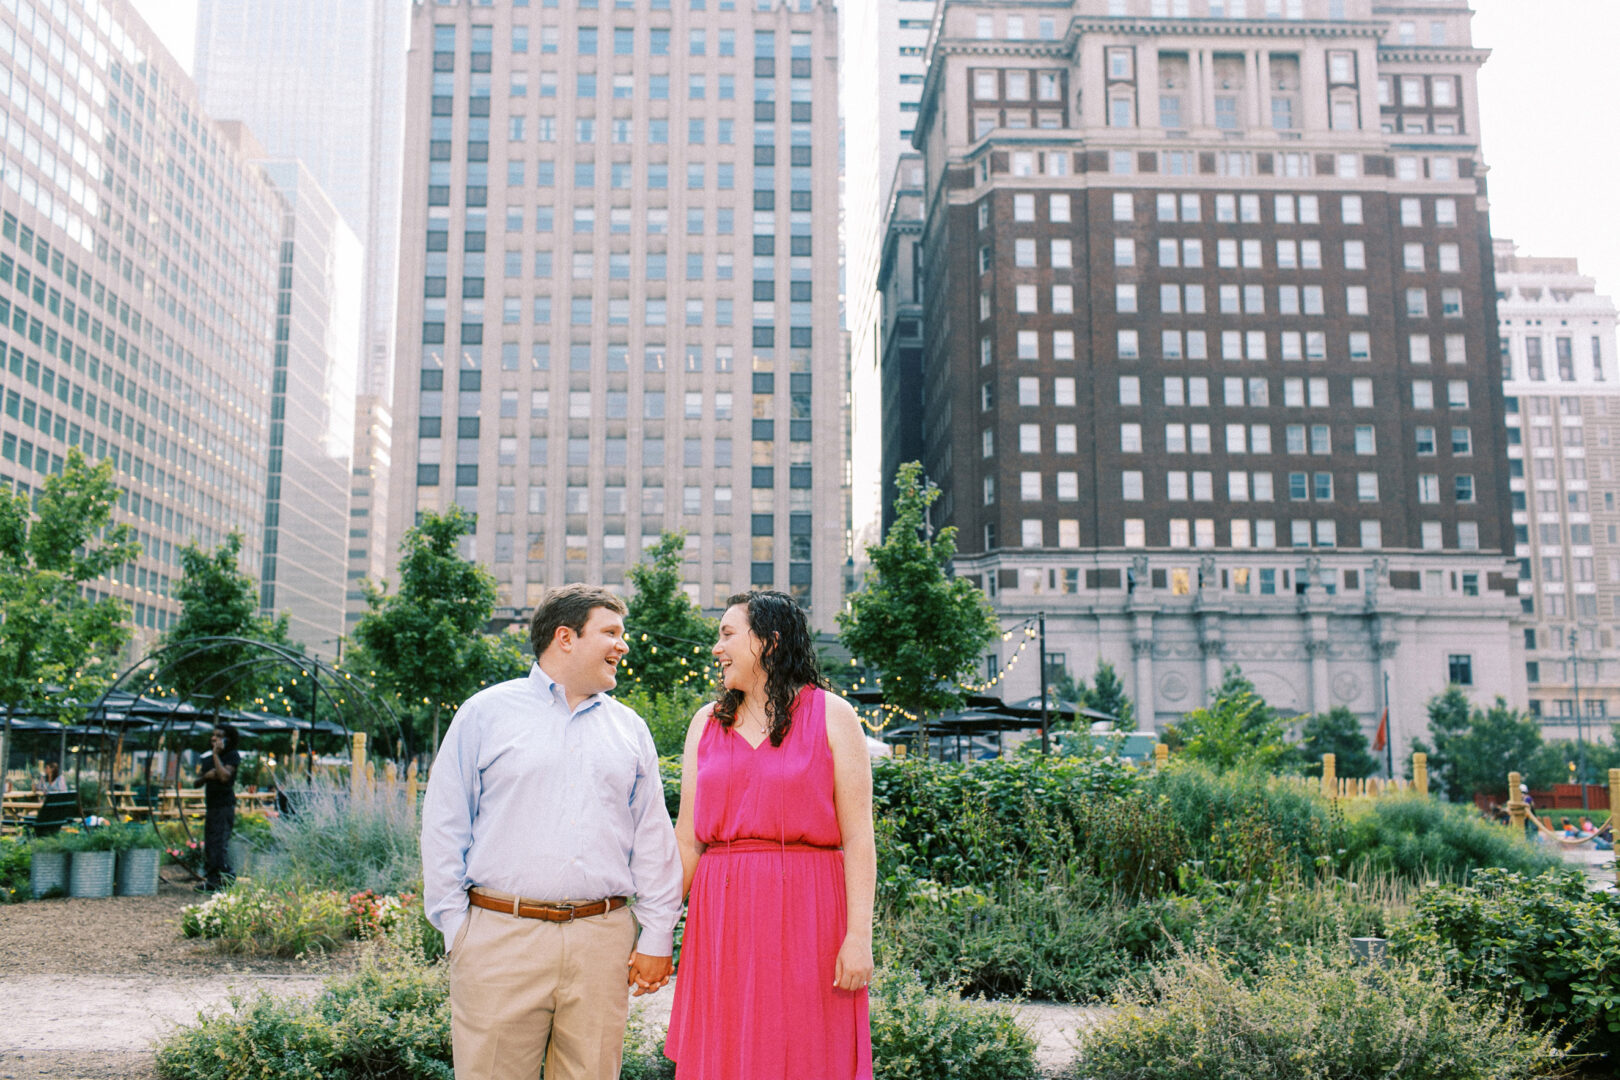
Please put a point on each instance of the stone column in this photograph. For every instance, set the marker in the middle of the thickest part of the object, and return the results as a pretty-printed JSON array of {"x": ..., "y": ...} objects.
[
  {"x": 1200, "y": 94},
  {"x": 1317, "y": 649},
  {"x": 1255, "y": 89},
  {"x": 1263, "y": 90},
  {"x": 1147, "y": 86},
  {"x": 1142, "y": 655}
]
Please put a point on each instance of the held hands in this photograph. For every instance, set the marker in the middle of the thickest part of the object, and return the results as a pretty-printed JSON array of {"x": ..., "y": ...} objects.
[
  {"x": 648, "y": 974},
  {"x": 853, "y": 968}
]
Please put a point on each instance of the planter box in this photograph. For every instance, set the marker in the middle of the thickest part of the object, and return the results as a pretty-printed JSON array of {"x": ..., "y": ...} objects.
[
  {"x": 47, "y": 872},
  {"x": 90, "y": 874},
  {"x": 138, "y": 871}
]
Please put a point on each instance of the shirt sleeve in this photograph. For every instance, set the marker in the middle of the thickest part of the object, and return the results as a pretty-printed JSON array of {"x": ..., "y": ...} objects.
[
  {"x": 447, "y": 826},
  {"x": 655, "y": 861}
]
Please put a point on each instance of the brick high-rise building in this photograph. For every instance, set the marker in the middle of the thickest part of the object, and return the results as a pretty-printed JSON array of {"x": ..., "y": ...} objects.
[
  {"x": 137, "y": 289},
  {"x": 619, "y": 307},
  {"x": 1209, "y": 344},
  {"x": 1562, "y": 383}
]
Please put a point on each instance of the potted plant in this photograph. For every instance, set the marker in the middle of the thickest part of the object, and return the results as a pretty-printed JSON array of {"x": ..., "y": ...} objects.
[
  {"x": 48, "y": 867},
  {"x": 95, "y": 858},
  {"x": 140, "y": 854}
]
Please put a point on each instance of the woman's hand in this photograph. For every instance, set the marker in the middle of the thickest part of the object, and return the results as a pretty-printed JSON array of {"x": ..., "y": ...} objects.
[{"x": 853, "y": 968}]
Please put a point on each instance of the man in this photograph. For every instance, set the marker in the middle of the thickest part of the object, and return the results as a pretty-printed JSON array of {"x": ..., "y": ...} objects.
[
  {"x": 218, "y": 781},
  {"x": 544, "y": 815}
]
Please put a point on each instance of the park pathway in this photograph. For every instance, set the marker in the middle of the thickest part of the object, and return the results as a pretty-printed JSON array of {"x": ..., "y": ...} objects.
[{"x": 101, "y": 1027}]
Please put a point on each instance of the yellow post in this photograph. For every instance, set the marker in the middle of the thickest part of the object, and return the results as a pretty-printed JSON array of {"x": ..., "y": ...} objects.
[
  {"x": 411, "y": 786},
  {"x": 1330, "y": 786},
  {"x": 391, "y": 779},
  {"x": 357, "y": 763},
  {"x": 1515, "y": 803},
  {"x": 1420, "y": 774},
  {"x": 1377, "y": 787},
  {"x": 1161, "y": 755},
  {"x": 371, "y": 778},
  {"x": 900, "y": 750}
]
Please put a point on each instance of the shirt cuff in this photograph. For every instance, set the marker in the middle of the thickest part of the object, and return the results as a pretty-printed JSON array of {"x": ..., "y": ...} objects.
[
  {"x": 450, "y": 924},
  {"x": 656, "y": 943}
]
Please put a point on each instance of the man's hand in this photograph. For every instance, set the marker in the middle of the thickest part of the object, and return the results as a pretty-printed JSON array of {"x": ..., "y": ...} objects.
[{"x": 648, "y": 974}]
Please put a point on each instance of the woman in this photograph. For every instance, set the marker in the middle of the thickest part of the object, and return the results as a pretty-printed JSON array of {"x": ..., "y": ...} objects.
[{"x": 775, "y": 832}]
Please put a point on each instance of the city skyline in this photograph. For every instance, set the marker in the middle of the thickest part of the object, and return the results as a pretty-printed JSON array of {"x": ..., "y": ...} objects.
[{"x": 1542, "y": 209}]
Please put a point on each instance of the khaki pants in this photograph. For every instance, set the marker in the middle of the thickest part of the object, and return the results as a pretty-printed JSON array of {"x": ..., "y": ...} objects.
[{"x": 527, "y": 991}]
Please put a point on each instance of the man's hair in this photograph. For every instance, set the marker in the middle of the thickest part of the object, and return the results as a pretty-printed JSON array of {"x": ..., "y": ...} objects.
[
  {"x": 229, "y": 732},
  {"x": 569, "y": 606}
]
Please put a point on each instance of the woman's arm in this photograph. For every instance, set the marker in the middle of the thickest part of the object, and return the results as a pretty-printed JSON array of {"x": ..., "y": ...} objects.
[
  {"x": 686, "y": 824},
  {"x": 852, "y": 799}
]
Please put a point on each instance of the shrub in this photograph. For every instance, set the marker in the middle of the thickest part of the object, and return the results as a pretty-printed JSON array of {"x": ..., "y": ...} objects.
[
  {"x": 1246, "y": 826},
  {"x": 1422, "y": 839},
  {"x": 100, "y": 838},
  {"x": 262, "y": 920},
  {"x": 918, "y": 1035},
  {"x": 333, "y": 841},
  {"x": 644, "y": 1050},
  {"x": 1545, "y": 941},
  {"x": 388, "y": 1021},
  {"x": 1310, "y": 1015},
  {"x": 15, "y": 861}
]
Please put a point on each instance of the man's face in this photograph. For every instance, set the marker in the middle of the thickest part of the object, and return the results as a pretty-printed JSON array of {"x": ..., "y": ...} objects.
[
  {"x": 595, "y": 652},
  {"x": 217, "y": 742}
]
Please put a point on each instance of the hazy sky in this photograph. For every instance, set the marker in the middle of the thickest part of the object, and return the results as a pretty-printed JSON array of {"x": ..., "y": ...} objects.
[{"x": 1551, "y": 74}]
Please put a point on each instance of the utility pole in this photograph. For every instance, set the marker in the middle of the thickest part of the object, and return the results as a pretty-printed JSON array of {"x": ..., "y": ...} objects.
[{"x": 1389, "y": 732}]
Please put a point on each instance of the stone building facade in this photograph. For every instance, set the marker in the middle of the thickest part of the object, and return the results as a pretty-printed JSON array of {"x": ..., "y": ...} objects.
[{"x": 1209, "y": 345}]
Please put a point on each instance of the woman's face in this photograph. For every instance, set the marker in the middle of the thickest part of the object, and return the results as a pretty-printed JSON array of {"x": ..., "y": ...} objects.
[{"x": 738, "y": 651}]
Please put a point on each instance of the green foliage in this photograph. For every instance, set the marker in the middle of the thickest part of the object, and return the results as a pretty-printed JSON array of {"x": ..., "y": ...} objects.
[
  {"x": 1474, "y": 748},
  {"x": 426, "y": 643},
  {"x": 1246, "y": 826},
  {"x": 1545, "y": 942},
  {"x": 644, "y": 1050},
  {"x": 270, "y": 920},
  {"x": 1418, "y": 839},
  {"x": 958, "y": 824},
  {"x": 55, "y": 636},
  {"x": 1237, "y": 729},
  {"x": 218, "y": 599},
  {"x": 1337, "y": 732},
  {"x": 675, "y": 655},
  {"x": 1107, "y": 694},
  {"x": 919, "y": 1035},
  {"x": 337, "y": 842},
  {"x": 104, "y": 838},
  {"x": 921, "y": 628},
  {"x": 1314, "y": 1015},
  {"x": 1551, "y": 762},
  {"x": 668, "y": 715},
  {"x": 15, "y": 860},
  {"x": 388, "y": 1021}
]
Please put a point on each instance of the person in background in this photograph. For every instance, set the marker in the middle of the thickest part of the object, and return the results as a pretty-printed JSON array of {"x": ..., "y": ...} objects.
[
  {"x": 218, "y": 782},
  {"x": 54, "y": 780},
  {"x": 1586, "y": 825}
]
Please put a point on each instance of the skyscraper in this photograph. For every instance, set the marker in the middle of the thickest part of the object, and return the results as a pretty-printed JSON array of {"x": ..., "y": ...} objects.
[
  {"x": 1211, "y": 337},
  {"x": 137, "y": 285},
  {"x": 1562, "y": 384},
  {"x": 312, "y": 412},
  {"x": 323, "y": 81},
  {"x": 884, "y": 45},
  {"x": 619, "y": 292}
]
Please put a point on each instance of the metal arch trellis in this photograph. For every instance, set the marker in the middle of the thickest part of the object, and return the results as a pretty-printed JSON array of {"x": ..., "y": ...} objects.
[{"x": 219, "y": 684}]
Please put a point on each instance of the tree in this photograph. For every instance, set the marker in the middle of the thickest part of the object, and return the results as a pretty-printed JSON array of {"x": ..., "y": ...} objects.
[
  {"x": 1474, "y": 748},
  {"x": 1107, "y": 694},
  {"x": 426, "y": 643},
  {"x": 1237, "y": 728},
  {"x": 923, "y": 629},
  {"x": 54, "y": 640},
  {"x": 217, "y": 599},
  {"x": 669, "y": 637},
  {"x": 1337, "y": 732}
]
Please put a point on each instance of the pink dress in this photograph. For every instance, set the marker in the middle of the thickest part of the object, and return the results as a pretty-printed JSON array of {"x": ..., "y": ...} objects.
[{"x": 754, "y": 999}]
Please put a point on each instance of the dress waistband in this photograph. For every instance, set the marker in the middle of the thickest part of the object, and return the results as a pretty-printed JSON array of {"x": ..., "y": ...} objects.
[{"x": 754, "y": 844}]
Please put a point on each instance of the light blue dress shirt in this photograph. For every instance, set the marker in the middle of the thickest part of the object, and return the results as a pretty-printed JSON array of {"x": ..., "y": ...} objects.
[{"x": 532, "y": 798}]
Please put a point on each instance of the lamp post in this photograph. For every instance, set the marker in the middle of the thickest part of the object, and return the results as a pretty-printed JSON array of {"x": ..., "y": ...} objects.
[{"x": 1580, "y": 742}]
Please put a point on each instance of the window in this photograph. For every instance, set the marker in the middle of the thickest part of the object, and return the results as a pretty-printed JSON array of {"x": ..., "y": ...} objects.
[
  {"x": 1124, "y": 209},
  {"x": 1460, "y": 669}
]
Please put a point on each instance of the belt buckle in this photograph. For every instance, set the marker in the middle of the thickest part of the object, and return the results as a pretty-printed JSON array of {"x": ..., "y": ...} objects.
[{"x": 568, "y": 908}]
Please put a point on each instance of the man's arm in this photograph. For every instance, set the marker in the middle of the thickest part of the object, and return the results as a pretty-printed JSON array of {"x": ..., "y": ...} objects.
[
  {"x": 655, "y": 868},
  {"x": 447, "y": 819}
]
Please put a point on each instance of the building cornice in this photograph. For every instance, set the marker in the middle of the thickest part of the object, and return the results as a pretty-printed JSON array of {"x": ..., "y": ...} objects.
[{"x": 1431, "y": 54}]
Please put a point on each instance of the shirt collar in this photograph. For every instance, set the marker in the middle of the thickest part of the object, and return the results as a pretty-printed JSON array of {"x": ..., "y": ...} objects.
[{"x": 550, "y": 688}]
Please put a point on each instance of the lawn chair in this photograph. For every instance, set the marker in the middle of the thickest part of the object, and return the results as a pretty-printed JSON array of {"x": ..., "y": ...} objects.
[{"x": 60, "y": 808}]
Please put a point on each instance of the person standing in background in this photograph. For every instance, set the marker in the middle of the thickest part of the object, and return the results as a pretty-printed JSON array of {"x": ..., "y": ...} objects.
[{"x": 218, "y": 782}]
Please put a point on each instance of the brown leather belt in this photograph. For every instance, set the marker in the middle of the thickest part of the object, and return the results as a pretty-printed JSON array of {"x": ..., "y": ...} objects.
[{"x": 537, "y": 909}]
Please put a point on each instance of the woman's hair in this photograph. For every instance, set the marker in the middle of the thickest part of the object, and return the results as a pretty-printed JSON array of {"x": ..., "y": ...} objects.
[
  {"x": 229, "y": 733},
  {"x": 787, "y": 656}
]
